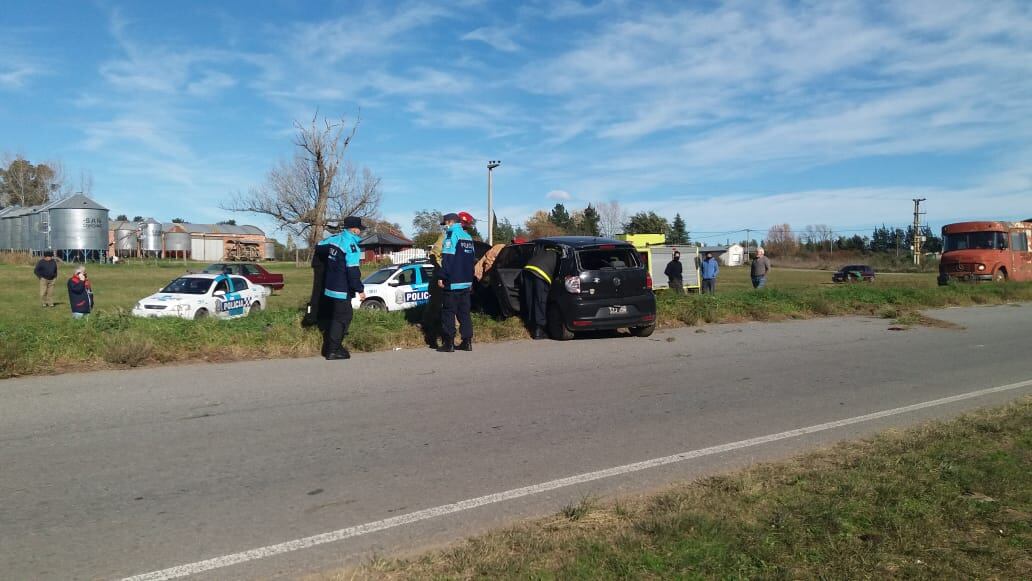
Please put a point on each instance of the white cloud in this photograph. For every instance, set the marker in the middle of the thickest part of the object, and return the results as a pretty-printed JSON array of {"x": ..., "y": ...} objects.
[
  {"x": 496, "y": 38},
  {"x": 559, "y": 195}
]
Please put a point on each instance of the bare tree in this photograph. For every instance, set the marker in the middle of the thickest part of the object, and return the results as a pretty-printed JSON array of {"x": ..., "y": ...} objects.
[
  {"x": 25, "y": 184},
  {"x": 611, "y": 218},
  {"x": 303, "y": 194},
  {"x": 780, "y": 240}
]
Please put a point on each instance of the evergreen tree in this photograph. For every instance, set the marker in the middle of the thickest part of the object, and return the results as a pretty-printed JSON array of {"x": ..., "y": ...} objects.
[
  {"x": 647, "y": 223},
  {"x": 561, "y": 219},
  {"x": 678, "y": 232},
  {"x": 589, "y": 222}
]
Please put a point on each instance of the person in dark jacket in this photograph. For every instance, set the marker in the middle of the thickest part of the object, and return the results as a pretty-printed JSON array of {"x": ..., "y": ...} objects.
[
  {"x": 709, "y": 269},
  {"x": 455, "y": 278},
  {"x": 674, "y": 272},
  {"x": 537, "y": 280},
  {"x": 342, "y": 282},
  {"x": 46, "y": 272},
  {"x": 80, "y": 293}
]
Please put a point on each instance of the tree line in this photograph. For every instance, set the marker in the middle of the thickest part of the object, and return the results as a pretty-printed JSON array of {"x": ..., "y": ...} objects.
[
  {"x": 604, "y": 219},
  {"x": 782, "y": 241}
]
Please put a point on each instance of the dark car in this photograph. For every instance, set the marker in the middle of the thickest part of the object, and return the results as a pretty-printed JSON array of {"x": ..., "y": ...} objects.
[
  {"x": 600, "y": 284},
  {"x": 249, "y": 270},
  {"x": 854, "y": 273}
]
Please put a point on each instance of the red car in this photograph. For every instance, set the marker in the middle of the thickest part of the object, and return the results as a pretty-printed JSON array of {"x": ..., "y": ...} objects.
[{"x": 249, "y": 270}]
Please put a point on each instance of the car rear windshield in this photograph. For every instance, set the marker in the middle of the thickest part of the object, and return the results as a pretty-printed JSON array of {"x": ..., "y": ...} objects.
[
  {"x": 216, "y": 269},
  {"x": 603, "y": 258},
  {"x": 380, "y": 276},
  {"x": 188, "y": 286}
]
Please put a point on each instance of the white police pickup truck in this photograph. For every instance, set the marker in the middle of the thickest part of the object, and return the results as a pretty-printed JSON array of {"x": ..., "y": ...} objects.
[
  {"x": 196, "y": 296},
  {"x": 397, "y": 287}
]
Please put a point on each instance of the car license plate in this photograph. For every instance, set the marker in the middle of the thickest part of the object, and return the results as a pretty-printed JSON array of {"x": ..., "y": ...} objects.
[{"x": 621, "y": 310}]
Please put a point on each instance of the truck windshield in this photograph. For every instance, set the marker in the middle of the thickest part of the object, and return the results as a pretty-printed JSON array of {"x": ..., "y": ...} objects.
[
  {"x": 188, "y": 286},
  {"x": 380, "y": 276},
  {"x": 976, "y": 240}
]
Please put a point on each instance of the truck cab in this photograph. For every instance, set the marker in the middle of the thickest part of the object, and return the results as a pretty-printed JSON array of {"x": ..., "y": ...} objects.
[{"x": 986, "y": 251}]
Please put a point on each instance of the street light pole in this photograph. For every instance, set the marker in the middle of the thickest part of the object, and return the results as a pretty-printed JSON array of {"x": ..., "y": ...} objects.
[{"x": 490, "y": 200}]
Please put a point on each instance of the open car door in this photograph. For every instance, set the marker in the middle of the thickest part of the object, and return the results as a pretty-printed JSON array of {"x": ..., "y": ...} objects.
[{"x": 504, "y": 277}]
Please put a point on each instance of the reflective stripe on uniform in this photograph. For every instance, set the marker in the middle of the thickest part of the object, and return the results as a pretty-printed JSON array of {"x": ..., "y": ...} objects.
[{"x": 538, "y": 272}]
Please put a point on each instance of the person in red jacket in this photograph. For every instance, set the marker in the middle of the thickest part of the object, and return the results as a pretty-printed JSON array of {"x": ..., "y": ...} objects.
[{"x": 80, "y": 293}]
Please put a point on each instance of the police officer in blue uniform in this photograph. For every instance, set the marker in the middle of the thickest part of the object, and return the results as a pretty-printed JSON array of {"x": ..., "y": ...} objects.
[
  {"x": 342, "y": 282},
  {"x": 455, "y": 277}
]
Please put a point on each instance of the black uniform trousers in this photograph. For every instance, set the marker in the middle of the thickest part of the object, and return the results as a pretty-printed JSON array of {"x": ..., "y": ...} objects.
[
  {"x": 534, "y": 295},
  {"x": 431, "y": 321},
  {"x": 456, "y": 304},
  {"x": 676, "y": 284},
  {"x": 340, "y": 319}
]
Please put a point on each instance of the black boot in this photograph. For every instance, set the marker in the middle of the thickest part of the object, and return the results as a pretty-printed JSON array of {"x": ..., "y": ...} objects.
[
  {"x": 342, "y": 353},
  {"x": 466, "y": 345},
  {"x": 447, "y": 345},
  {"x": 538, "y": 334}
]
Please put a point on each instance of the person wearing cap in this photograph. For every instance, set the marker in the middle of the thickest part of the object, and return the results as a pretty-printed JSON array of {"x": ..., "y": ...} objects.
[
  {"x": 342, "y": 281},
  {"x": 709, "y": 269},
  {"x": 46, "y": 272},
  {"x": 80, "y": 293},
  {"x": 455, "y": 277}
]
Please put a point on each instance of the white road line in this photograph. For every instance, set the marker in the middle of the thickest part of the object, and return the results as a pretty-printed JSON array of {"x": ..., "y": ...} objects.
[{"x": 437, "y": 511}]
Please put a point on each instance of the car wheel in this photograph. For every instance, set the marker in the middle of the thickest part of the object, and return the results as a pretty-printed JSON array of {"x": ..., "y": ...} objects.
[
  {"x": 556, "y": 327},
  {"x": 643, "y": 331},
  {"x": 1000, "y": 276},
  {"x": 373, "y": 305},
  {"x": 254, "y": 308},
  {"x": 201, "y": 314}
]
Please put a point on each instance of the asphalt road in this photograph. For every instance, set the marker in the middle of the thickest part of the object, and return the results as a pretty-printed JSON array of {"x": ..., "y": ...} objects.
[{"x": 114, "y": 474}]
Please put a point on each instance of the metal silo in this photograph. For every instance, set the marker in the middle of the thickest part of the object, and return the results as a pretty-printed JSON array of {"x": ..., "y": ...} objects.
[
  {"x": 5, "y": 229},
  {"x": 126, "y": 238},
  {"x": 270, "y": 251},
  {"x": 177, "y": 242},
  {"x": 17, "y": 221},
  {"x": 35, "y": 230},
  {"x": 79, "y": 227},
  {"x": 150, "y": 238}
]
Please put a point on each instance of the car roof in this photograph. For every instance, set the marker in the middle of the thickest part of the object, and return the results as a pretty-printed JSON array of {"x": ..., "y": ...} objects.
[
  {"x": 580, "y": 241},
  {"x": 209, "y": 276}
]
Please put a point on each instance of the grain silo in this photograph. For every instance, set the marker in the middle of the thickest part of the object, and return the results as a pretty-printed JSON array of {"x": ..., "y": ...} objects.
[
  {"x": 270, "y": 250},
  {"x": 78, "y": 228},
  {"x": 5, "y": 230},
  {"x": 125, "y": 237},
  {"x": 177, "y": 241},
  {"x": 151, "y": 242}
]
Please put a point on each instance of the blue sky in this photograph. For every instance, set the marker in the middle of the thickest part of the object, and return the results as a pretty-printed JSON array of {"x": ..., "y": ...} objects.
[{"x": 737, "y": 115}]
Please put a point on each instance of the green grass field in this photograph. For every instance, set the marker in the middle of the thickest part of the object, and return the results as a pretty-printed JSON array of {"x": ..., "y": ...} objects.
[
  {"x": 948, "y": 500},
  {"x": 37, "y": 340}
]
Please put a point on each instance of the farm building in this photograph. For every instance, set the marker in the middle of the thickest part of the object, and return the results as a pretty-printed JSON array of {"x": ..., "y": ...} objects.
[
  {"x": 185, "y": 241},
  {"x": 733, "y": 255},
  {"x": 380, "y": 244}
]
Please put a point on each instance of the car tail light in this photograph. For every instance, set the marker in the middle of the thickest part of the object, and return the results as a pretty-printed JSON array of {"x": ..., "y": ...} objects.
[
  {"x": 573, "y": 285},
  {"x": 649, "y": 318},
  {"x": 582, "y": 323},
  {"x": 648, "y": 281}
]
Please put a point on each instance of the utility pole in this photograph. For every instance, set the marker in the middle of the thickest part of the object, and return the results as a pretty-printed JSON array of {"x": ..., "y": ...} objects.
[
  {"x": 490, "y": 200},
  {"x": 917, "y": 230}
]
